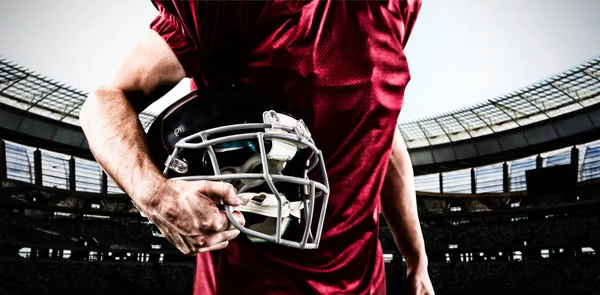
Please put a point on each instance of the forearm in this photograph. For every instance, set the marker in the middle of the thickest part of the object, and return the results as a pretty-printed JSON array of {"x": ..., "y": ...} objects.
[
  {"x": 109, "y": 116},
  {"x": 399, "y": 205},
  {"x": 117, "y": 140}
]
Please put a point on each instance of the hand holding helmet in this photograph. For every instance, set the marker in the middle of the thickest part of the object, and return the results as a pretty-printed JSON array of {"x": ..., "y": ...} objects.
[{"x": 187, "y": 215}]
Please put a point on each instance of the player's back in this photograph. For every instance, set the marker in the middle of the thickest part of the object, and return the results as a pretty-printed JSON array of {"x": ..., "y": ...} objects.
[{"x": 338, "y": 65}]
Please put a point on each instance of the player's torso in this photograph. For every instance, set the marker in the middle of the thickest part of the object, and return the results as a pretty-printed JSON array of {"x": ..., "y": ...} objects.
[{"x": 340, "y": 66}]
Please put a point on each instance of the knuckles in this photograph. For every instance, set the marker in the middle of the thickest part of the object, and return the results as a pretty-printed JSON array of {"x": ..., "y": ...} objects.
[
  {"x": 211, "y": 223},
  {"x": 202, "y": 242}
]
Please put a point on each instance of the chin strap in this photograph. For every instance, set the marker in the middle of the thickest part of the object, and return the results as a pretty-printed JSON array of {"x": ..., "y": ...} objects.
[{"x": 266, "y": 205}]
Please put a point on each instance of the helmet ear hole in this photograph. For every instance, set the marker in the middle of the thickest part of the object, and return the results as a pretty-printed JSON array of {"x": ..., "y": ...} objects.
[{"x": 298, "y": 166}]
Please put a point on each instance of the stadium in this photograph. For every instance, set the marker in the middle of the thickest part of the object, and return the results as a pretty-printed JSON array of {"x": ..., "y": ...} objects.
[{"x": 508, "y": 196}]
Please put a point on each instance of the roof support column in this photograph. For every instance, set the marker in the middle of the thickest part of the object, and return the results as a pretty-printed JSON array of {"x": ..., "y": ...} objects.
[
  {"x": 473, "y": 181},
  {"x": 3, "y": 172},
  {"x": 574, "y": 156},
  {"x": 575, "y": 160},
  {"x": 505, "y": 178},
  {"x": 104, "y": 183},
  {"x": 72, "y": 180},
  {"x": 37, "y": 166}
]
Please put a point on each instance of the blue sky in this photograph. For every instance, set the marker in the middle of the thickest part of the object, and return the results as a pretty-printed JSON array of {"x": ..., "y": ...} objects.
[{"x": 461, "y": 51}]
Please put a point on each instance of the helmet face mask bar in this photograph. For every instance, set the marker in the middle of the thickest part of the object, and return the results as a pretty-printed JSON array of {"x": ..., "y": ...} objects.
[{"x": 274, "y": 142}]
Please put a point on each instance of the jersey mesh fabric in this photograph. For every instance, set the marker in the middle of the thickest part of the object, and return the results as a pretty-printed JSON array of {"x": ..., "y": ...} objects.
[{"x": 338, "y": 65}]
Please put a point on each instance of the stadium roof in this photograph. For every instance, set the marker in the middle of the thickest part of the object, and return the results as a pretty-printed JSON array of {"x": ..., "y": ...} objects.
[
  {"x": 574, "y": 89},
  {"x": 32, "y": 92},
  {"x": 569, "y": 91}
]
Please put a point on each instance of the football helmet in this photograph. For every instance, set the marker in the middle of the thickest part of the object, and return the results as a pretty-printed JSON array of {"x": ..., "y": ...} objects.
[{"x": 238, "y": 136}]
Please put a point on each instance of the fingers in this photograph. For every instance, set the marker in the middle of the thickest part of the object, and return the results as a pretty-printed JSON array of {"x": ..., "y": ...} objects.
[
  {"x": 218, "y": 246},
  {"x": 220, "y": 190},
  {"x": 216, "y": 241},
  {"x": 239, "y": 217},
  {"x": 180, "y": 243},
  {"x": 191, "y": 246},
  {"x": 220, "y": 222}
]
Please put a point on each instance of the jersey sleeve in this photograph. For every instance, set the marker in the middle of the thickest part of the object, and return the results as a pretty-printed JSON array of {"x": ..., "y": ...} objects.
[
  {"x": 169, "y": 25},
  {"x": 410, "y": 10}
]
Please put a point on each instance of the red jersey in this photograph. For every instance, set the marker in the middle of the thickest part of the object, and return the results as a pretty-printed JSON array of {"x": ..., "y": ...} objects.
[{"x": 339, "y": 66}]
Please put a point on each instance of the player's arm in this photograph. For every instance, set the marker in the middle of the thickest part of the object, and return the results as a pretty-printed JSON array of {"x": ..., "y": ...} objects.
[
  {"x": 184, "y": 211},
  {"x": 109, "y": 115},
  {"x": 399, "y": 207}
]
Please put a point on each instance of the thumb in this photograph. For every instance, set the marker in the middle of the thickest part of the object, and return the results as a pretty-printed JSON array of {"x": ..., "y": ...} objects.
[{"x": 221, "y": 190}]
